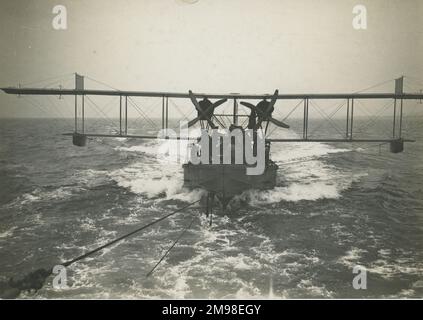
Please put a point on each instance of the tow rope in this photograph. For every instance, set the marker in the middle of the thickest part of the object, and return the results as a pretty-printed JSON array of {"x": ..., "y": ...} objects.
[
  {"x": 171, "y": 247},
  {"x": 35, "y": 279}
]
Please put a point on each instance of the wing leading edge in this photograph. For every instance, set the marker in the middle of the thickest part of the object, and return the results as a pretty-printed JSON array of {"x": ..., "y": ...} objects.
[{"x": 72, "y": 92}]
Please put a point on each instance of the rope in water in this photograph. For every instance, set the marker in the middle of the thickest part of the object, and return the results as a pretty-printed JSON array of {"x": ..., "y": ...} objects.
[
  {"x": 170, "y": 248},
  {"x": 35, "y": 279},
  {"x": 127, "y": 235}
]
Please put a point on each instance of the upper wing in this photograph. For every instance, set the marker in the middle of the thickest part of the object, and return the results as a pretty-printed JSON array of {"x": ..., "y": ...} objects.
[{"x": 71, "y": 92}]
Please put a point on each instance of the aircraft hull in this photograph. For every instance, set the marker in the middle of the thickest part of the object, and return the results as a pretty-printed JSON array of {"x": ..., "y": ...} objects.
[{"x": 227, "y": 180}]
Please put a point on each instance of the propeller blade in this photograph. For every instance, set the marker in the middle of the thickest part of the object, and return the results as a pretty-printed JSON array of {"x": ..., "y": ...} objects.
[
  {"x": 193, "y": 121},
  {"x": 201, "y": 111},
  {"x": 267, "y": 113},
  {"x": 211, "y": 124},
  {"x": 193, "y": 100},
  {"x": 219, "y": 102},
  {"x": 278, "y": 123},
  {"x": 273, "y": 100},
  {"x": 248, "y": 105}
]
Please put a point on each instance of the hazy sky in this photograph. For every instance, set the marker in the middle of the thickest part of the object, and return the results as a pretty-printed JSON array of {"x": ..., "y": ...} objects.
[{"x": 249, "y": 46}]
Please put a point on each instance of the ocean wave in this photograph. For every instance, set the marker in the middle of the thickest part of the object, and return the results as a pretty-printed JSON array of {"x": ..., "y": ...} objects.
[
  {"x": 43, "y": 195},
  {"x": 302, "y": 175},
  {"x": 155, "y": 180},
  {"x": 382, "y": 266},
  {"x": 8, "y": 233}
]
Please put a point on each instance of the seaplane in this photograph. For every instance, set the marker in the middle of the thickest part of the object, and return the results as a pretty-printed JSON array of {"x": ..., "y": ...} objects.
[
  {"x": 223, "y": 179},
  {"x": 221, "y": 175}
]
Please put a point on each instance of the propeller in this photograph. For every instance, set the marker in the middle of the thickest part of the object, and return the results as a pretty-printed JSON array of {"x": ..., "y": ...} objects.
[
  {"x": 263, "y": 110},
  {"x": 205, "y": 109}
]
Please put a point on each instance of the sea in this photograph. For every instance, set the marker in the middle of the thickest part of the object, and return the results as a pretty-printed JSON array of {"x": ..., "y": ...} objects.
[{"x": 336, "y": 207}]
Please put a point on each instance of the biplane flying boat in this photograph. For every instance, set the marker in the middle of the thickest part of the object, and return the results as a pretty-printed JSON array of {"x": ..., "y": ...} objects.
[{"x": 225, "y": 180}]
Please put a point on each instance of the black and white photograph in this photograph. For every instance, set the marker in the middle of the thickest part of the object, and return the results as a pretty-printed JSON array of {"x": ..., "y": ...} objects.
[{"x": 211, "y": 150}]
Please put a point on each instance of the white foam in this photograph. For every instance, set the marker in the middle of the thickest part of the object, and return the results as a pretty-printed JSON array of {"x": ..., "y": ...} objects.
[
  {"x": 39, "y": 194},
  {"x": 149, "y": 179},
  {"x": 318, "y": 291},
  {"x": 155, "y": 175},
  {"x": 352, "y": 257},
  {"x": 387, "y": 269},
  {"x": 7, "y": 233},
  {"x": 302, "y": 174}
]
